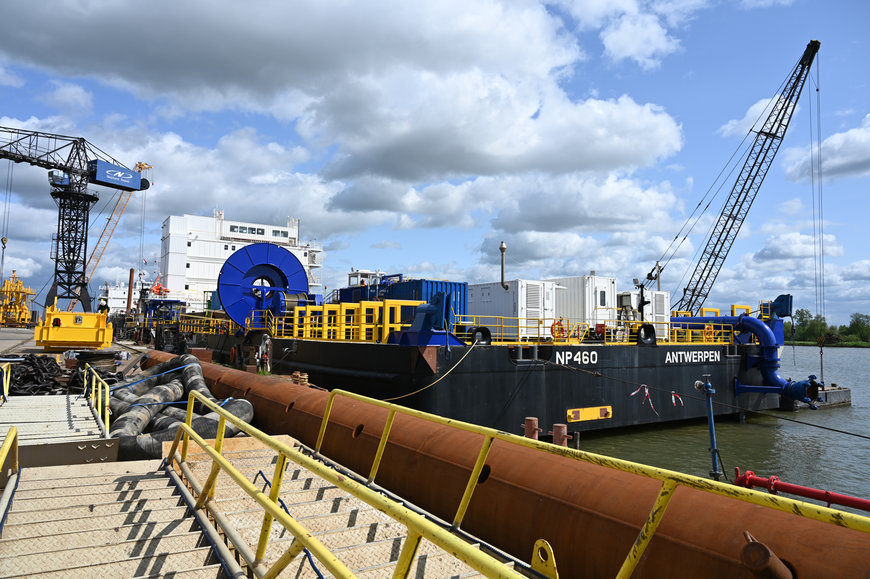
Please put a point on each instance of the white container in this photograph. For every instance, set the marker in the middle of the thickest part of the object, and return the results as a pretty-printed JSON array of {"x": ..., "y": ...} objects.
[
  {"x": 587, "y": 299},
  {"x": 525, "y": 310},
  {"x": 657, "y": 311}
]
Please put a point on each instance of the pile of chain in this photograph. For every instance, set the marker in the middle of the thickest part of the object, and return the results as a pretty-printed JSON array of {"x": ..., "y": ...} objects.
[
  {"x": 36, "y": 375},
  {"x": 41, "y": 375}
]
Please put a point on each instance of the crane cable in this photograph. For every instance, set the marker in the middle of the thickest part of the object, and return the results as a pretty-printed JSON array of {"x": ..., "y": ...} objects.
[{"x": 818, "y": 209}]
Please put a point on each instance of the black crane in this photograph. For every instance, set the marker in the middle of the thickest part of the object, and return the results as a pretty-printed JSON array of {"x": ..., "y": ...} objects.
[
  {"x": 74, "y": 162},
  {"x": 758, "y": 161}
]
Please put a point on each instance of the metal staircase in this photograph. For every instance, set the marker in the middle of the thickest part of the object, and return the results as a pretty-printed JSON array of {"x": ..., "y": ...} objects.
[
  {"x": 366, "y": 540},
  {"x": 105, "y": 520}
]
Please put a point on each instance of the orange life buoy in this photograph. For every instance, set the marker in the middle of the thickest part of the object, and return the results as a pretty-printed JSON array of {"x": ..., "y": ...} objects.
[
  {"x": 708, "y": 333},
  {"x": 233, "y": 355},
  {"x": 557, "y": 330}
]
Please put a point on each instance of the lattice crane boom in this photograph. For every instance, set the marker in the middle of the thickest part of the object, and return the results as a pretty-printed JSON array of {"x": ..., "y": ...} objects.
[{"x": 761, "y": 154}]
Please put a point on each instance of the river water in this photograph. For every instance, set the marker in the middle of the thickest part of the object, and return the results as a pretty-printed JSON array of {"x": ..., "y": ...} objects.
[{"x": 807, "y": 452}]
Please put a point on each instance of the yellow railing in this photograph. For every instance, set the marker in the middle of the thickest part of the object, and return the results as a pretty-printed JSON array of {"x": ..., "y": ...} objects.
[
  {"x": 98, "y": 394},
  {"x": 6, "y": 377},
  {"x": 10, "y": 450},
  {"x": 418, "y": 526},
  {"x": 362, "y": 321},
  {"x": 669, "y": 479},
  {"x": 206, "y": 324}
]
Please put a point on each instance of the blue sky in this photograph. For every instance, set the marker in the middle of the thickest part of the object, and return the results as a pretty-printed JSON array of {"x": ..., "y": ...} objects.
[{"x": 414, "y": 137}]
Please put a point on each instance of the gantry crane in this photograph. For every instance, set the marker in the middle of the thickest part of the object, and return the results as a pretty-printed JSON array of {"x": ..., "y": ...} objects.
[
  {"x": 758, "y": 161},
  {"x": 73, "y": 163}
]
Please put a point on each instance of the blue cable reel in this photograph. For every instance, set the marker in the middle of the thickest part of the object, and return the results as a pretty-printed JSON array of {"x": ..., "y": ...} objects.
[{"x": 261, "y": 276}]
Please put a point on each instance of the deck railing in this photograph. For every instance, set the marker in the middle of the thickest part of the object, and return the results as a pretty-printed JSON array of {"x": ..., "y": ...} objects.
[
  {"x": 6, "y": 377},
  {"x": 418, "y": 526},
  {"x": 670, "y": 479},
  {"x": 97, "y": 392}
]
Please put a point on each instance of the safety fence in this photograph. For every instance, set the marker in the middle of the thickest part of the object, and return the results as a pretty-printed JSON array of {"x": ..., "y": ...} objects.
[
  {"x": 98, "y": 393},
  {"x": 418, "y": 527},
  {"x": 670, "y": 479},
  {"x": 5, "y": 378},
  {"x": 366, "y": 321}
]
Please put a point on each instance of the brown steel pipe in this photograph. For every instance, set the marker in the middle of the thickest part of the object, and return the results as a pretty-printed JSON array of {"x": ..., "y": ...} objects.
[{"x": 590, "y": 514}]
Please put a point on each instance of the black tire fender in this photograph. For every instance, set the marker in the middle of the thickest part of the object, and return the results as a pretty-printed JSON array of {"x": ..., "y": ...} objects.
[{"x": 646, "y": 335}]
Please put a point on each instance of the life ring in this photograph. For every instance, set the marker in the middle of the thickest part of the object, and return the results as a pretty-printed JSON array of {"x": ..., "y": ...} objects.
[
  {"x": 557, "y": 330},
  {"x": 708, "y": 333},
  {"x": 233, "y": 355}
]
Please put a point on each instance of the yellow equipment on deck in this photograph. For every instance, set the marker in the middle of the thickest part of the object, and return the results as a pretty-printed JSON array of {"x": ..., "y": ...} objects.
[
  {"x": 15, "y": 303},
  {"x": 63, "y": 330}
]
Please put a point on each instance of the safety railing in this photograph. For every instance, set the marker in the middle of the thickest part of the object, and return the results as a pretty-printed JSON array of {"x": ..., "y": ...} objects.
[
  {"x": 5, "y": 378},
  {"x": 205, "y": 324},
  {"x": 670, "y": 479},
  {"x": 97, "y": 392},
  {"x": 366, "y": 321},
  {"x": 418, "y": 526},
  {"x": 10, "y": 450}
]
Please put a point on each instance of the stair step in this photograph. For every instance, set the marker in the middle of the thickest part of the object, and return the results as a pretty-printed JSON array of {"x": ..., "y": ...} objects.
[
  {"x": 90, "y": 471},
  {"x": 92, "y": 510},
  {"x": 15, "y": 563},
  {"x": 15, "y": 529},
  {"x": 95, "y": 537},
  {"x": 159, "y": 565},
  {"x": 207, "y": 572},
  {"x": 90, "y": 496},
  {"x": 112, "y": 481}
]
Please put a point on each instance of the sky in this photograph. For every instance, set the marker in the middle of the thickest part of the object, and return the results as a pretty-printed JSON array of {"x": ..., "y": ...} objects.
[{"x": 414, "y": 137}]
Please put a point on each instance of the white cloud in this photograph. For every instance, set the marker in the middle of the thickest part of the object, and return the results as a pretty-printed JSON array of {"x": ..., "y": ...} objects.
[
  {"x": 755, "y": 114},
  {"x": 68, "y": 98},
  {"x": 638, "y": 37},
  {"x": 845, "y": 154},
  {"x": 8, "y": 78}
]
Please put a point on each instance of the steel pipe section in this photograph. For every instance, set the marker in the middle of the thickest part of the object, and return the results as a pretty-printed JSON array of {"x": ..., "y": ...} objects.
[{"x": 590, "y": 514}]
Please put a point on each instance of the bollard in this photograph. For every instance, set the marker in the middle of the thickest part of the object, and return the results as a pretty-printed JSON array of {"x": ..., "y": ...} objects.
[
  {"x": 560, "y": 434},
  {"x": 530, "y": 427}
]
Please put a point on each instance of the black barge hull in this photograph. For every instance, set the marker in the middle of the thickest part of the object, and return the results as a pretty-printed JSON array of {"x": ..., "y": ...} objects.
[{"x": 587, "y": 387}]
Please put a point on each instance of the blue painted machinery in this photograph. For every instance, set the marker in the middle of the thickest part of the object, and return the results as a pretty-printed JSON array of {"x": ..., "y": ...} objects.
[
  {"x": 770, "y": 336},
  {"x": 260, "y": 277}
]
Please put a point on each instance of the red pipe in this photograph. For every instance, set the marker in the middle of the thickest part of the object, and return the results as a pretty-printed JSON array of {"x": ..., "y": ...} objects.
[{"x": 774, "y": 485}]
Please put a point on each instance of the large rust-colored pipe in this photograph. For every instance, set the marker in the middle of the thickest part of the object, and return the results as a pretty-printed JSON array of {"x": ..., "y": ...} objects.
[{"x": 590, "y": 514}]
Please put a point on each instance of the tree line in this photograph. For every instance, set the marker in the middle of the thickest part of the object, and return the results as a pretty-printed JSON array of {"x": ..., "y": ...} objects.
[{"x": 806, "y": 327}]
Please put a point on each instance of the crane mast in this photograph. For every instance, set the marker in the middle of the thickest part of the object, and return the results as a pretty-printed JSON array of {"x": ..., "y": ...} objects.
[
  {"x": 74, "y": 163},
  {"x": 758, "y": 161}
]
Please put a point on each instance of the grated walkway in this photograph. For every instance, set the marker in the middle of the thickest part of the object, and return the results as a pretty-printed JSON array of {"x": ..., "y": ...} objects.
[{"x": 48, "y": 419}]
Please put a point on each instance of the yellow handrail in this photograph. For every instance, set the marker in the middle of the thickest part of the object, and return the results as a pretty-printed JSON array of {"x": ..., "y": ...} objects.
[
  {"x": 6, "y": 373},
  {"x": 669, "y": 479},
  {"x": 98, "y": 394},
  {"x": 10, "y": 449},
  {"x": 418, "y": 526}
]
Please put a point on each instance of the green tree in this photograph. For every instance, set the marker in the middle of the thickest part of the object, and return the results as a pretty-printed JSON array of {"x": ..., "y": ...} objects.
[
  {"x": 859, "y": 326},
  {"x": 808, "y": 327}
]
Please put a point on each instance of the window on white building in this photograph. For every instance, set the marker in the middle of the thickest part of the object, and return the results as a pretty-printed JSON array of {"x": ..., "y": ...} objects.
[
  {"x": 234, "y": 228},
  {"x": 261, "y": 231},
  {"x": 243, "y": 229}
]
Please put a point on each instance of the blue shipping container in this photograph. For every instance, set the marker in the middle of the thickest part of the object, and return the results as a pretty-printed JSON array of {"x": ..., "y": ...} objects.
[{"x": 424, "y": 289}]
